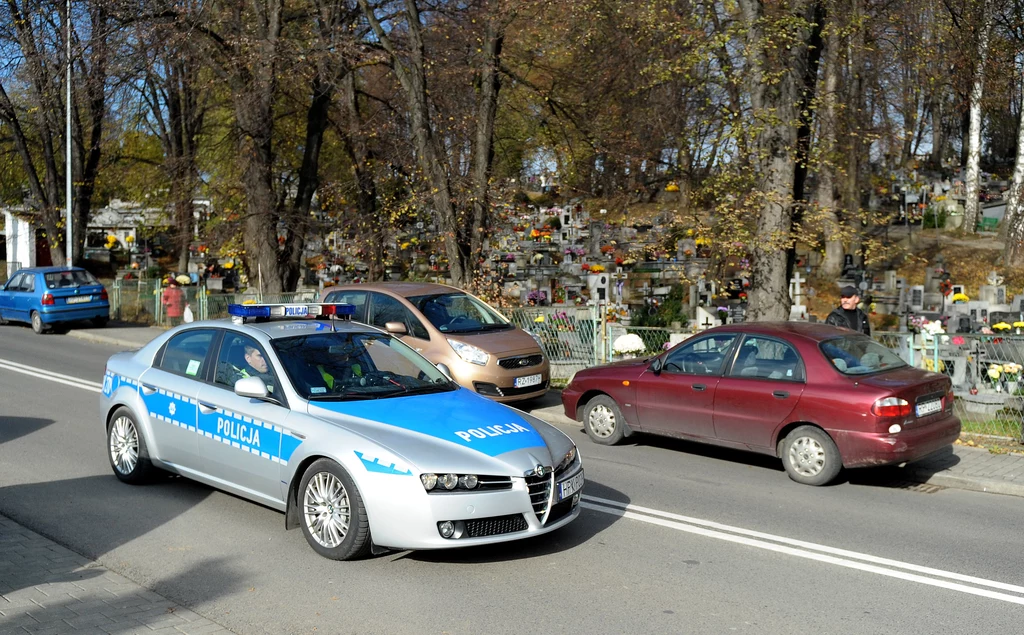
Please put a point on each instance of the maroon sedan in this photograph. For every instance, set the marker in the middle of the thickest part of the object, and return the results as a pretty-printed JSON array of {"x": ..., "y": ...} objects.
[{"x": 818, "y": 397}]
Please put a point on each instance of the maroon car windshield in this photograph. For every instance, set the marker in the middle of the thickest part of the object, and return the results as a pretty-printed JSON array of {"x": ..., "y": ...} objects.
[{"x": 859, "y": 355}]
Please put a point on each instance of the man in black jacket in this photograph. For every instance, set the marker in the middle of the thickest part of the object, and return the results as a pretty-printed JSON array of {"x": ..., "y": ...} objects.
[{"x": 847, "y": 315}]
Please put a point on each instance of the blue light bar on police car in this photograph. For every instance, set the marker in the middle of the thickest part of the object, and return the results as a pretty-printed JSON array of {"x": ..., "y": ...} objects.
[{"x": 244, "y": 311}]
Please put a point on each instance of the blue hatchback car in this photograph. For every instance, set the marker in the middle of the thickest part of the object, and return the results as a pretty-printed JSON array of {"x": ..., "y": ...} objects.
[{"x": 48, "y": 296}]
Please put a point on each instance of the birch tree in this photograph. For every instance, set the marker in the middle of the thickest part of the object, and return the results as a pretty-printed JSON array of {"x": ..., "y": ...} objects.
[{"x": 982, "y": 30}]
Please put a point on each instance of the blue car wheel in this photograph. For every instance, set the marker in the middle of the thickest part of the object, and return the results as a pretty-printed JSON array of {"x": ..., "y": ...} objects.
[{"x": 37, "y": 323}]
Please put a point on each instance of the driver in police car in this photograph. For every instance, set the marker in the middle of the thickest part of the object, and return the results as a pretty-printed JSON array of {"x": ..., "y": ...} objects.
[{"x": 256, "y": 366}]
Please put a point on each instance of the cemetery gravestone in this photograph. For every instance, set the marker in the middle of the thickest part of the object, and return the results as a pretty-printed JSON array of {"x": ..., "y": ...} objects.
[{"x": 917, "y": 298}]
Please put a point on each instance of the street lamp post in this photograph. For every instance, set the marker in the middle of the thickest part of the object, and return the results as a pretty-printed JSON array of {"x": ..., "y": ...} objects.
[{"x": 68, "y": 240}]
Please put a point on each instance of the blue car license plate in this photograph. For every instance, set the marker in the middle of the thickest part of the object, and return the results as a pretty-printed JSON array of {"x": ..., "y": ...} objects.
[
  {"x": 79, "y": 299},
  {"x": 570, "y": 486}
]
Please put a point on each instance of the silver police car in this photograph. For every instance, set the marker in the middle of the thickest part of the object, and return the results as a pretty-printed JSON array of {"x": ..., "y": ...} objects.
[{"x": 358, "y": 439}]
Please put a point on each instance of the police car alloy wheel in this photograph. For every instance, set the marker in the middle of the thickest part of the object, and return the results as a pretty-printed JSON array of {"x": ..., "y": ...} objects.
[
  {"x": 603, "y": 421},
  {"x": 331, "y": 510},
  {"x": 126, "y": 449}
]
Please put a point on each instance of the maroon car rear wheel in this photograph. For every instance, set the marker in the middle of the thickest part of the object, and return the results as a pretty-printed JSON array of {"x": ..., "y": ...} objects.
[
  {"x": 810, "y": 456},
  {"x": 603, "y": 421}
]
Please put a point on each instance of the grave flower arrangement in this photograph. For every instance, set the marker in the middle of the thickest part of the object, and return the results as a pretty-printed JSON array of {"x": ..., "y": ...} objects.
[
  {"x": 1017, "y": 326},
  {"x": 537, "y": 296},
  {"x": 597, "y": 269},
  {"x": 930, "y": 329},
  {"x": 960, "y": 298},
  {"x": 628, "y": 345},
  {"x": 994, "y": 374},
  {"x": 1001, "y": 326}
]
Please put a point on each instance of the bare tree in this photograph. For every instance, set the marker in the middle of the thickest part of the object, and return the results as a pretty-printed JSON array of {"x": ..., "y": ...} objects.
[
  {"x": 982, "y": 29},
  {"x": 37, "y": 124}
]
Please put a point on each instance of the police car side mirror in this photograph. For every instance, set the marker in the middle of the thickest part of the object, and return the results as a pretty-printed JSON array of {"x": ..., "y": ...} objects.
[
  {"x": 395, "y": 328},
  {"x": 444, "y": 369},
  {"x": 251, "y": 387}
]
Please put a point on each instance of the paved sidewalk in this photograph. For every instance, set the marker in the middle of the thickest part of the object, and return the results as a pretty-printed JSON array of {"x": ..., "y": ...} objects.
[
  {"x": 961, "y": 467},
  {"x": 47, "y": 589}
]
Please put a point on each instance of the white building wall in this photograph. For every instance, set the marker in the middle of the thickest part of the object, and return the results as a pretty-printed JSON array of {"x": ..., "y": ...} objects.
[{"x": 21, "y": 243}]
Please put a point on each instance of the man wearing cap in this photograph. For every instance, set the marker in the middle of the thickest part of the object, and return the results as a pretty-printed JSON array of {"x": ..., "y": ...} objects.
[{"x": 847, "y": 315}]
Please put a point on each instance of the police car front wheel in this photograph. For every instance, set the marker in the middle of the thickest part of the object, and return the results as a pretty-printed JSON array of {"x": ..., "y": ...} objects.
[
  {"x": 331, "y": 511},
  {"x": 126, "y": 449}
]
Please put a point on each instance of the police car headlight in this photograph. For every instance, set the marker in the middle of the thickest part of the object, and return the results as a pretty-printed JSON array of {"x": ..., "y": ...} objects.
[
  {"x": 468, "y": 481},
  {"x": 567, "y": 460},
  {"x": 448, "y": 481},
  {"x": 469, "y": 353},
  {"x": 429, "y": 481}
]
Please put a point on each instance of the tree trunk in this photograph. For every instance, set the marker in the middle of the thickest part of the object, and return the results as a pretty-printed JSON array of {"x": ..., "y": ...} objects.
[
  {"x": 803, "y": 131},
  {"x": 483, "y": 147},
  {"x": 412, "y": 77},
  {"x": 776, "y": 114},
  {"x": 362, "y": 159},
  {"x": 971, "y": 205},
  {"x": 856, "y": 107},
  {"x": 298, "y": 223},
  {"x": 827, "y": 200},
  {"x": 1013, "y": 220}
]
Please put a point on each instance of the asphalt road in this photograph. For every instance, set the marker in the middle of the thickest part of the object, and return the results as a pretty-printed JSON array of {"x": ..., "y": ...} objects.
[{"x": 675, "y": 537}]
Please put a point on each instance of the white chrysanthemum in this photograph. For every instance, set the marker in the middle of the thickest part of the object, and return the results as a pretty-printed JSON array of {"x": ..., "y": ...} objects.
[{"x": 628, "y": 343}]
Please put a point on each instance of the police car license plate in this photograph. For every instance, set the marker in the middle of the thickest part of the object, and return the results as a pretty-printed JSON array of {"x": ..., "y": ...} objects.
[
  {"x": 570, "y": 486},
  {"x": 529, "y": 380},
  {"x": 79, "y": 299},
  {"x": 929, "y": 407}
]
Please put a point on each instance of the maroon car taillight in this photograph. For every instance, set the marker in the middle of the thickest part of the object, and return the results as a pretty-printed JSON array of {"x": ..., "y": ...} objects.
[
  {"x": 47, "y": 299},
  {"x": 891, "y": 407},
  {"x": 948, "y": 400}
]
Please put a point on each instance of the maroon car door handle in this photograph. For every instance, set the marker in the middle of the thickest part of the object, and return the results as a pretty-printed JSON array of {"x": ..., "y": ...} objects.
[
  {"x": 780, "y": 394},
  {"x": 699, "y": 387}
]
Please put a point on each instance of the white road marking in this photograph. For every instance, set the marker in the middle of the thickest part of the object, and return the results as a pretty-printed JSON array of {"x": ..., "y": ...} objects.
[
  {"x": 14, "y": 366},
  {"x": 809, "y": 550},
  {"x": 40, "y": 373}
]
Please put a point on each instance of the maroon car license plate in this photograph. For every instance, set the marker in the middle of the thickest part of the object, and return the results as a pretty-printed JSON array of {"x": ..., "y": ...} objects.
[
  {"x": 570, "y": 486},
  {"x": 929, "y": 407}
]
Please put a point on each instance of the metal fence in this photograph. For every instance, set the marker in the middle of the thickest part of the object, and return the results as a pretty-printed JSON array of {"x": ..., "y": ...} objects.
[
  {"x": 142, "y": 301},
  {"x": 986, "y": 371},
  {"x": 576, "y": 338}
]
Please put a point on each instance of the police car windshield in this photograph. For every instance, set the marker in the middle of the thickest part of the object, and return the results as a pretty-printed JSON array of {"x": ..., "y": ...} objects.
[
  {"x": 459, "y": 313},
  {"x": 339, "y": 366}
]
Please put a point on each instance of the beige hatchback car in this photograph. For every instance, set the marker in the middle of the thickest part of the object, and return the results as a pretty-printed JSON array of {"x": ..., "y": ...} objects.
[{"x": 480, "y": 348}]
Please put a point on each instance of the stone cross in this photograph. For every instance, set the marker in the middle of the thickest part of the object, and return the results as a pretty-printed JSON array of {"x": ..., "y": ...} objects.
[
  {"x": 795, "y": 290},
  {"x": 707, "y": 323}
]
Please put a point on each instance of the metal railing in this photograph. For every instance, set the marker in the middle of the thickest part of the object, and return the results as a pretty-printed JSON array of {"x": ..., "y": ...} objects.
[
  {"x": 987, "y": 372},
  {"x": 142, "y": 301},
  {"x": 575, "y": 338}
]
